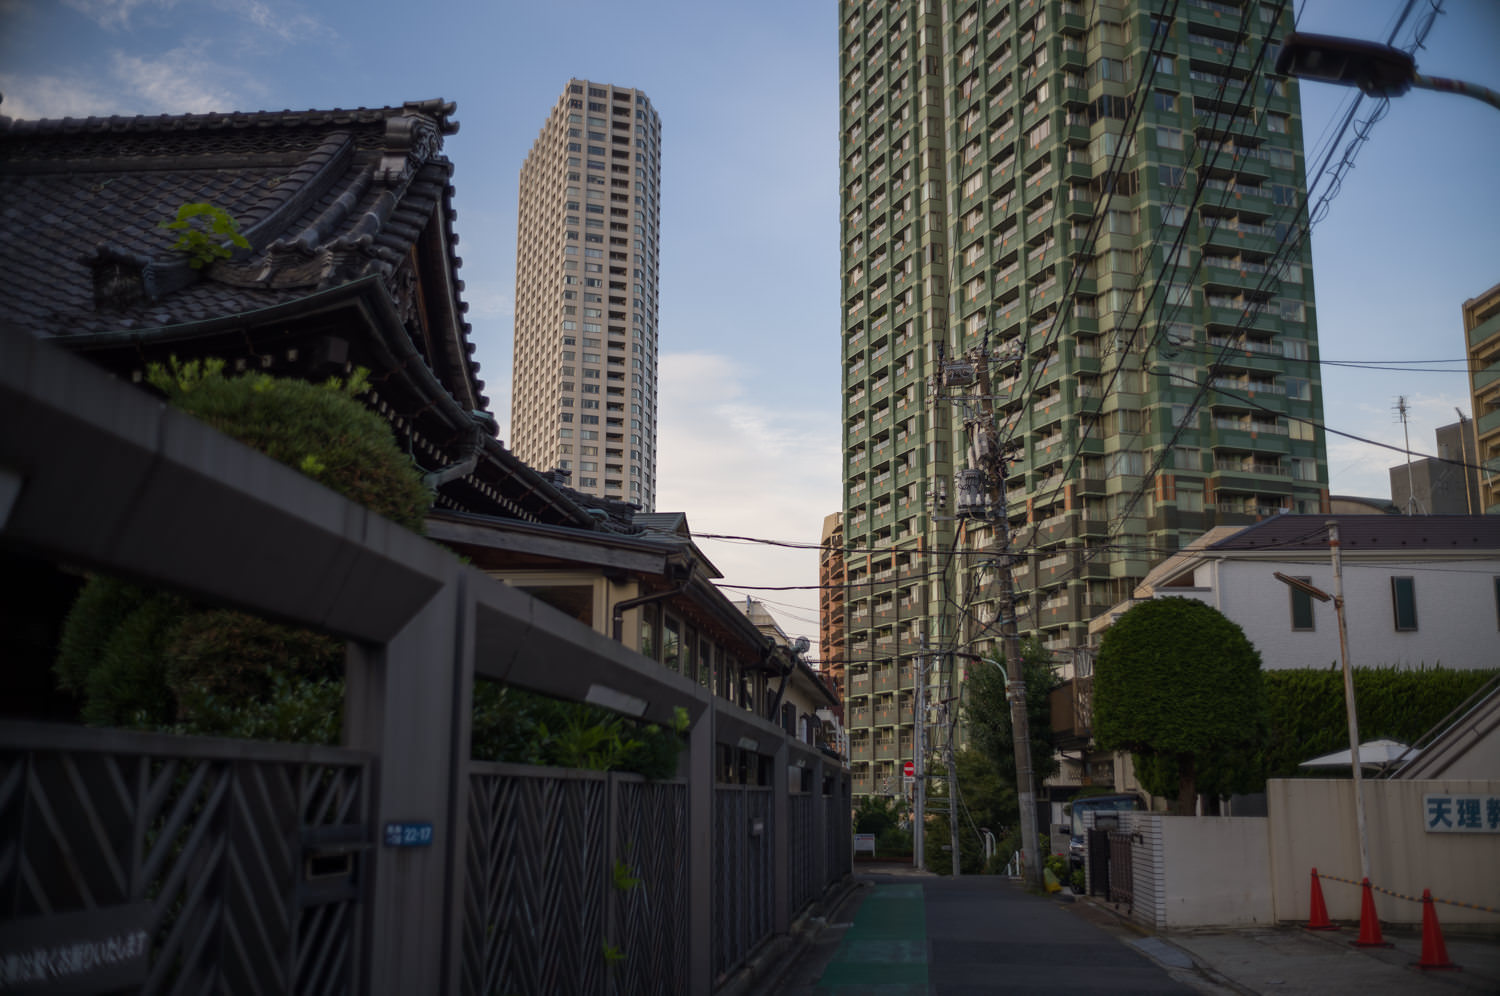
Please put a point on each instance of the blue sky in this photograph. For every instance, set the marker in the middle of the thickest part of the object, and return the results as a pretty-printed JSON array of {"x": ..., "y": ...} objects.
[{"x": 748, "y": 95}]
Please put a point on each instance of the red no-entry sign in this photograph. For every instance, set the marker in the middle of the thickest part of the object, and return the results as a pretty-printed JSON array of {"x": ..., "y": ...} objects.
[{"x": 910, "y": 770}]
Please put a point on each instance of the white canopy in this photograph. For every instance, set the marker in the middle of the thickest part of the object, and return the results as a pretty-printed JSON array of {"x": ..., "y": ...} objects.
[{"x": 1372, "y": 754}]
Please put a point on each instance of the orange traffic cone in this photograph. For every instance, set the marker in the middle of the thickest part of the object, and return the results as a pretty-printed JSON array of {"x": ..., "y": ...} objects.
[
  {"x": 1434, "y": 951},
  {"x": 1369, "y": 922},
  {"x": 1317, "y": 918}
]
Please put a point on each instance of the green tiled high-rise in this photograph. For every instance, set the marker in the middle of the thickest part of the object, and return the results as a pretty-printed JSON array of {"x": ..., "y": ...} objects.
[{"x": 1105, "y": 198}]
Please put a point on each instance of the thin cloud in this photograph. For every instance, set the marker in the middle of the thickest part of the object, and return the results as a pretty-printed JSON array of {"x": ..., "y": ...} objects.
[
  {"x": 37, "y": 97},
  {"x": 289, "y": 22},
  {"x": 115, "y": 15},
  {"x": 185, "y": 80},
  {"x": 764, "y": 466}
]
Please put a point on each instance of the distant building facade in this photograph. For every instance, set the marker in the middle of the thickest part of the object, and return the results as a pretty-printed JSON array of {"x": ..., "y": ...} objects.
[
  {"x": 1446, "y": 485},
  {"x": 583, "y": 392},
  {"x": 1482, "y": 338},
  {"x": 1419, "y": 590},
  {"x": 1097, "y": 201},
  {"x": 832, "y": 578}
]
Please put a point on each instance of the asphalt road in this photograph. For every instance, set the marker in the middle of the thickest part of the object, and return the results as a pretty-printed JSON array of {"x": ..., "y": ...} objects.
[{"x": 924, "y": 936}]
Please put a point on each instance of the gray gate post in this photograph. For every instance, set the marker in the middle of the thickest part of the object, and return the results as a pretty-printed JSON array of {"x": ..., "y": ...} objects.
[
  {"x": 701, "y": 857},
  {"x": 781, "y": 811},
  {"x": 402, "y": 701}
]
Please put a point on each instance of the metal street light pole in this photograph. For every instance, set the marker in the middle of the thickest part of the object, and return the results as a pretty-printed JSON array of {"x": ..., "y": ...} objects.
[
  {"x": 1338, "y": 609},
  {"x": 1349, "y": 711}
]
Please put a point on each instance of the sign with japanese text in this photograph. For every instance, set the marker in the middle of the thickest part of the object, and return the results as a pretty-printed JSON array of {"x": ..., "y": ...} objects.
[
  {"x": 89, "y": 951},
  {"x": 1461, "y": 813}
]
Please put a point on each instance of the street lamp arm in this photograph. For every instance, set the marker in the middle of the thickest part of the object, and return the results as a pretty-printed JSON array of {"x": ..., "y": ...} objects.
[
  {"x": 1377, "y": 70},
  {"x": 1446, "y": 85}
]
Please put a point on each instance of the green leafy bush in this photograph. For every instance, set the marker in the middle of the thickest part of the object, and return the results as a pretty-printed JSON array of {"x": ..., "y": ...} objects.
[
  {"x": 893, "y": 843},
  {"x": 142, "y": 658},
  {"x": 521, "y": 727},
  {"x": 878, "y": 813}
]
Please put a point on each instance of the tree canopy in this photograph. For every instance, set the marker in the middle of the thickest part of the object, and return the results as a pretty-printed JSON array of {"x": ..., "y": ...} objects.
[
  {"x": 987, "y": 713},
  {"x": 1179, "y": 685}
]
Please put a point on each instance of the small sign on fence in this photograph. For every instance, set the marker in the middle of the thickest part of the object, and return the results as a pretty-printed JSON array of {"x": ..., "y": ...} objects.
[
  {"x": 1461, "y": 813},
  {"x": 408, "y": 834},
  {"x": 864, "y": 842},
  {"x": 90, "y": 951}
]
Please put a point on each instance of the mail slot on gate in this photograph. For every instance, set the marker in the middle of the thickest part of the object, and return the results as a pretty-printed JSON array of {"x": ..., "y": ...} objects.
[{"x": 332, "y": 864}]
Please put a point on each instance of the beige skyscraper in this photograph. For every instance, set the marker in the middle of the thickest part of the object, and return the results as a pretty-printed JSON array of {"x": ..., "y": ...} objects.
[{"x": 583, "y": 390}]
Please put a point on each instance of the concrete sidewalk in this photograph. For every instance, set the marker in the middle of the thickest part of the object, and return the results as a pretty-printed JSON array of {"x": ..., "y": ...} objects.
[{"x": 1290, "y": 960}]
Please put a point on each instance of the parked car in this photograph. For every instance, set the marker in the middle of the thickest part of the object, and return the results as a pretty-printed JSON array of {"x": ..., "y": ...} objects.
[{"x": 1124, "y": 802}]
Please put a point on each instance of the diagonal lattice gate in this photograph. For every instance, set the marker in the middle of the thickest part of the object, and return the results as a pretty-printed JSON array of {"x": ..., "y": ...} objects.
[
  {"x": 179, "y": 864},
  {"x": 575, "y": 882}
]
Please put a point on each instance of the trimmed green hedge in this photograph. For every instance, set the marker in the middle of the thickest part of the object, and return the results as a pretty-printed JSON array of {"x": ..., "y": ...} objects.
[
  {"x": 1307, "y": 709},
  {"x": 1178, "y": 684}
]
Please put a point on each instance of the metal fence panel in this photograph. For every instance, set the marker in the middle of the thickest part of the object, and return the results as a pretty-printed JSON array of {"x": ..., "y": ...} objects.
[
  {"x": 538, "y": 871},
  {"x": 1121, "y": 868},
  {"x": 244, "y": 860},
  {"x": 744, "y": 836},
  {"x": 800, "y": 854},
  {"x": 650, "y": 919},
  {"x": 839, "y": 824}
]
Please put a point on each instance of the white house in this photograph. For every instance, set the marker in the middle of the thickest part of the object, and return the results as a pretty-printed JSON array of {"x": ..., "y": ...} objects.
[{"x": 1418, "y": 590}]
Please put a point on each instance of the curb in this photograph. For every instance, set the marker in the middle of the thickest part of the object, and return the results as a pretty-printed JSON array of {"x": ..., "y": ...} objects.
[
  {"x": 1199, "y": 968},
  {"x": 764, "y": 969}
]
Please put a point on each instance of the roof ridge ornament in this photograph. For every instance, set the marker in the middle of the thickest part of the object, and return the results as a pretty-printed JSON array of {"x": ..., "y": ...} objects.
[{"x": 411, "y": 139}]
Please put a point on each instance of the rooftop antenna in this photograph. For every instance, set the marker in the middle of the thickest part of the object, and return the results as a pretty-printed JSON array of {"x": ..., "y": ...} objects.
[{"x": 1402, "y": 410}]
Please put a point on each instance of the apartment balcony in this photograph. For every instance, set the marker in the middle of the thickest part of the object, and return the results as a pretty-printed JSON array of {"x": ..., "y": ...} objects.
[
  {"x": 1072, "y": 708},
  {"x": 887, "y": 752},
  {"x": 861, "y": 751},
  {"x": 860, "y": 717}
]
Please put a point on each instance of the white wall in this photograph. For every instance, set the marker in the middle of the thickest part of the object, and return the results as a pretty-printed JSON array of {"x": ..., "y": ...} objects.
[
  {"x": 1189, "y": 871},
  {"x": 1217, "y": 871},
  {"x": 1312, "y": 825},
  {"x": 1456, "y": 611}
]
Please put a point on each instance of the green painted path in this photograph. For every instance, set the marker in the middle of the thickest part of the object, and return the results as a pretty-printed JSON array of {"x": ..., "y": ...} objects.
[{"x": 885, "y": 952}]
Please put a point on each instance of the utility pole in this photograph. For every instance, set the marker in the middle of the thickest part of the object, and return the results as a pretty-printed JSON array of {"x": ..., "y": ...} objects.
[
  {"x": 985, "y": 450},
  {"x": 950, "y": 713},
  {"x": 918, "y": 749}
]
